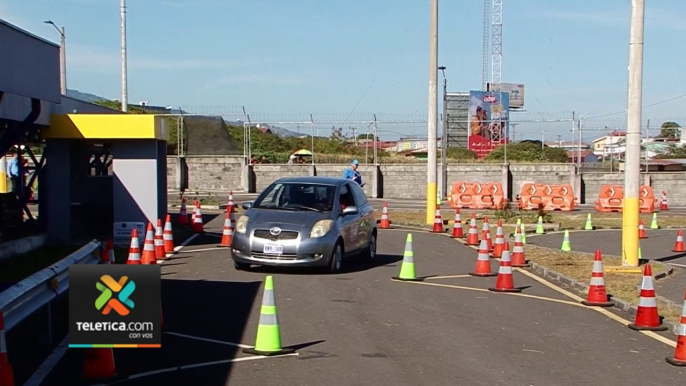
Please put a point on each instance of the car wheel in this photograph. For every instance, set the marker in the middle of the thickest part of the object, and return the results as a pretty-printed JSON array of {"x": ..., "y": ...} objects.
[
  {"x": 370, "y": 252},
  {"x": 336, "y": 258},
  {"x": 241, "y": 266}
]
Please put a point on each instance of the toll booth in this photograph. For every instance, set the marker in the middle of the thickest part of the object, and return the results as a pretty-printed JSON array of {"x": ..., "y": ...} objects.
[{"x": 125, "y": 185}]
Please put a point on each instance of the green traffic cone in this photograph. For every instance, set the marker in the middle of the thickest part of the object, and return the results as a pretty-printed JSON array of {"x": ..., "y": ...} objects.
[
  {"x": 566, "y": 245},
  {"x": 539, "y": 226},
  {"x": 653, "y": 224},
  {"x": 438, "y": 198},
  {"x": 589, "y": 223},
  {"x": 268, "y": 341},
  {"x": 640, "y": 255},
  {"x": 521, "y": 226},
  {"x": 407, "y": 271}
]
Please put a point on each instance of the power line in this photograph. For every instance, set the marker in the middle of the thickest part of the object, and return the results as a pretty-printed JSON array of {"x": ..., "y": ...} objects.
[{"x": 644, "y": 106}]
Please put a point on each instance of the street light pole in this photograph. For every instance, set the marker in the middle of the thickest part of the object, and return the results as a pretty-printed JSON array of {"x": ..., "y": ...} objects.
[
  {"x": 632, "y": 157},
  {"x": 124, "y": 80},
  {"x": 444, "y": 138},
  {"x": 432, "y": 116},
  {"x": 63, "y": 57}
]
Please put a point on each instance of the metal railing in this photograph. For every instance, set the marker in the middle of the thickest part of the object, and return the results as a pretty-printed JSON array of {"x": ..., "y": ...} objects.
[{"x": 36, "y": 291}]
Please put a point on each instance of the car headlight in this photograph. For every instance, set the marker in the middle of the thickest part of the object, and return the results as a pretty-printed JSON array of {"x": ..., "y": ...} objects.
[
  {"x": 321, "y": 228},
  {"x": 242, "y": 224}
]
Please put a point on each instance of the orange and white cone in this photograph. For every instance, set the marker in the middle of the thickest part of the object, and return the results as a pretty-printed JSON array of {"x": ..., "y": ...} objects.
[
  {"x": 107, "y": 255},
  {"x": 438, "y": 221},
  {"x": 642, "y": 230},
  {"x": 486, "y": 234},
  {"x": 505, "y": 281},
  {"x": 230, "y": 206},
  {"x": 483, "y": 262},
  {"x": 385, "y": 222},
  {"x": 227, "y": 233},
  {"x": 679, "y": 358},
  {"x": 499, "y": 246},
  {"x": 458, "y": 233},
  {"x": 168, "y": 237},
  {"x": 183, "y": 214},
  {"x": 647, "y": 317},
  {"x": 6, "y": 372},
  {"x": 597, "y": 294},
  {"x": 663, "y": 202},
  {"x": 472, "y": 233},
  {"x": 679, "y": 245},
  {"x": 134, "y": 249},
  {"x": 149, "y": 255},
  {"x": 199, "y": 228},
  {"x": 158, "y": 241},
  {"x": 518, "y": 257},
  {"x": 99, "y": 364}
]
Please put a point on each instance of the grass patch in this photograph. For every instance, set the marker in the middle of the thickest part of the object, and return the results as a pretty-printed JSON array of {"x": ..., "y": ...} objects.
[{"x": 20, "y": 267}]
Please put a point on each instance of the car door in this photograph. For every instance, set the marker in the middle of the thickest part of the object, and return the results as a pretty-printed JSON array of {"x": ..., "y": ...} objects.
[
  {"x": 349, "y": 222},
  {"x": 366, "y": 219}
]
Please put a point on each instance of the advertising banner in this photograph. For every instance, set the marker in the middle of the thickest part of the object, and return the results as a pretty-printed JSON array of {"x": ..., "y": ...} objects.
[
  {"x": 516, "y": 91},
  {"x": 488, "y": 120}
]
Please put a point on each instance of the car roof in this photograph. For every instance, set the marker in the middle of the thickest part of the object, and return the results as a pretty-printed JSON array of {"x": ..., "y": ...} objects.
[{"x": 312, "y": 180}]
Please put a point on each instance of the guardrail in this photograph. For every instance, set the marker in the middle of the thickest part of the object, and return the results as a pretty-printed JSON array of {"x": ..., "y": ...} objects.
[{"x": 38, "y": 290}]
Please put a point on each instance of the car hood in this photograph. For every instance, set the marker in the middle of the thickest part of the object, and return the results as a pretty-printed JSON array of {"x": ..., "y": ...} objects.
[{"x": 273, "y": 216}]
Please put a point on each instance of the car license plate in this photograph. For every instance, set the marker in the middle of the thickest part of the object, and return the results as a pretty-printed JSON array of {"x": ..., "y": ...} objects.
[{"x": 273, "y": 249}]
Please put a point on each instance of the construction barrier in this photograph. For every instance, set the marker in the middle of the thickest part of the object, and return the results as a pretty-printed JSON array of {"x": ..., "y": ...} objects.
[
  {"x": 476, "y": 195},
  {"x": 546, "y": 197},
  {"x": 611, "y": 199}
]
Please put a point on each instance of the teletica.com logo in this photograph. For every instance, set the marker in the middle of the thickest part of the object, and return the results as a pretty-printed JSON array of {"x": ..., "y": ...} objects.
[{"x": 106, "y": 302}]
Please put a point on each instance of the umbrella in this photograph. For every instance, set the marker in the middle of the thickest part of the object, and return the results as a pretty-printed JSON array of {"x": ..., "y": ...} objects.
[{"x": 303, "y": 152}]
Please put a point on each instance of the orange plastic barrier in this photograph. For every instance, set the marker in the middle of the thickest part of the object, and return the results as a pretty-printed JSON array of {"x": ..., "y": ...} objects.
[
  {"x": 611, "y": 199},
  {"x": 547, "y": 197},
  {"x": 475, "y": 195}
]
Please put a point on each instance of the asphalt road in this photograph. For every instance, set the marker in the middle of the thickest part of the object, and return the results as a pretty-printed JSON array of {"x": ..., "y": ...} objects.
[
  {"x": 658, "y": 246},
  {"x": 361, "y": 328}
]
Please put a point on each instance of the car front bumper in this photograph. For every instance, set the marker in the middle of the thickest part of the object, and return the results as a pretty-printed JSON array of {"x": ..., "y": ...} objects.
[{"x": 246, "y": 249}]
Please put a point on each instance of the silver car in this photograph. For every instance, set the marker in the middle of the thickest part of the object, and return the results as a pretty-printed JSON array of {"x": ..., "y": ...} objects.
[{"x": 305, "y": 222}]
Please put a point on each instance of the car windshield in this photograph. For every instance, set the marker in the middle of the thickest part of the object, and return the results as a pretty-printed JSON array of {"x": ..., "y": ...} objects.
[{"x": 297, "y": 196}]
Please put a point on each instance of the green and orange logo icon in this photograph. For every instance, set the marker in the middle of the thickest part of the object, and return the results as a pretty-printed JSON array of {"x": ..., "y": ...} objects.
[{"x": 106, "y": 302}]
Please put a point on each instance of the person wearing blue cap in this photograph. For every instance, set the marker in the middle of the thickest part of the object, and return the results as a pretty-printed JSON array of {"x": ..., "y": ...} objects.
[{"x": 352, "y": 173}]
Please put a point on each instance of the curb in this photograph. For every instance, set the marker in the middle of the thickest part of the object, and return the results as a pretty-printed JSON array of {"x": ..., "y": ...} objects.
[{"x": 582, "y": 288}]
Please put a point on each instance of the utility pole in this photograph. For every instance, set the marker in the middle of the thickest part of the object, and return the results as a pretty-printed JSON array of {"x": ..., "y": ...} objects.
[
  {"x": 124, "y": 84},
  {"x": 444, "y": 138},
  {"x": 63, "y": 57},
  {"x": 633, "y": 138},
  {"x": 375, "y": 184},
  {"x": 578, "y": 156},
  {"x": 542, "y": 140},
  {"x": 432, "y": 116},
  {"x": 645, "y": 154},
  {"x": 559, "y": 140}
]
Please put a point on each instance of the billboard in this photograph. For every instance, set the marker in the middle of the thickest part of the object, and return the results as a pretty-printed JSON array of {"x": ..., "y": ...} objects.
[
  {"x": 488, "y": 120},
  {"x": 516, "y": 91}
]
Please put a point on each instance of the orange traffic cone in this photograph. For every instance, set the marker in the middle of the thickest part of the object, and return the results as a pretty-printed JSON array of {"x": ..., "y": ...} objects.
[
  {"x": 679, "y": 245},
  {"x": 472, "y": 234},
  {"x": 183, "y": 215},
  {"x": 518, "y": 257},
  {"x": 168, "y": 237},
  {"x": 647, "y": 317},
  {"x": 158, "y": 241},
  {"x": 597, "y": 295},
  {"x": 385, "y": 221},
  {"x": 149, "y": 255},
  {"x": 458, "y": 233},
  {"x": 99, "y": 363},
  {"x": 663, "y": 202},
  {"x": 192, "y": 224},
  {"x": 107, "y": 255},
  {"x": 438, "y": 221},
  {"x": 230, "y": 206},
  {"x": 227, "y": 233},
  {"x": 679, "y": 358},
  {"x": 505, "y": 282},
  {"x": 483, "y": 262},
  {"x": 486, "y": 234},
  {"x": 198, "y": 220},
  {"x": 134, "y": 249},
  {"x": 641, "y": 231},
  {"x": 6, "y": 372},
  {"x": 499, "y": 246}
]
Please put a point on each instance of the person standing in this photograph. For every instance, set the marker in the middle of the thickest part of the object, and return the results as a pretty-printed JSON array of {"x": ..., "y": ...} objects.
[
  {"x": 352, "y": 173},
  {"x": 13, "y": 172}
]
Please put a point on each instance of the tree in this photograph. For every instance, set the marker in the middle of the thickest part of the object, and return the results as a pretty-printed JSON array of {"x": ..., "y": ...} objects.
[
  {"x": 669, "y": 130},
  {"x": 368, "y": 135},
  {"x": 529, "y": 151},
  {"x": 674, "y": 152},
  {"x": 460, "y": 153},
  {"x": 116, "y": 105}
]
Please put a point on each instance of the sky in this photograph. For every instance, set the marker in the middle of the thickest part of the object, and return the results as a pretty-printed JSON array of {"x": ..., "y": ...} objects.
[{"x": 286, "y": 59}]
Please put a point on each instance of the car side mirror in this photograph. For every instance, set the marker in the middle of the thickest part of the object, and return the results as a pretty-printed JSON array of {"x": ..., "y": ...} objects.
[
  {"x": 350, "y": 210},
  {"x": 246, "y": 205}
]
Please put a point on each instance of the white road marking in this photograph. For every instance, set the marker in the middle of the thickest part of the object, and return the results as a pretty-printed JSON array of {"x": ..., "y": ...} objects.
[
  {"x": 208, "y": 340},
  {"x": 49, "y": 363},
  {"x": 678, "y": 265}
]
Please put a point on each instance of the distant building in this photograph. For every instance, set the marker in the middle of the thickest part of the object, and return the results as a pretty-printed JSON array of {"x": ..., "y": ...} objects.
[
  {"x": 586, "y": 156},
  {"x": 610, "y": 145},
  {"x": 567, "y": 145}
]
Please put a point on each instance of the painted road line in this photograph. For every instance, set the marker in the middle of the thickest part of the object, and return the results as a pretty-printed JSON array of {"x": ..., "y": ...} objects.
[
  {"x": 208, "y": 340},
  {"x": 186, "y": 367},
  {"x": 46, "y": 367},
  {"x": 678, "y": 265},
  {"x": 178, "y": 248},
  {"x": 502, "y": 293},
  {"x": 447, "y": 277}
]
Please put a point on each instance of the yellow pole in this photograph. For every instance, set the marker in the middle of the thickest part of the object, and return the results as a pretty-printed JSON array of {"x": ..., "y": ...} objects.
[
  {"x": 3, "y": 175},
  {"x": 430, "y": 203},
  {"x": 630, "y": 218}
]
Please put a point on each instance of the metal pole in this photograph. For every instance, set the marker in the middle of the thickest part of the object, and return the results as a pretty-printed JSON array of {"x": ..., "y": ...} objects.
[
  {"x": 63, "y": 63},
  {"x": 376, "y": 163},
  {"x": 633, "y": 137},
  {"x": 578, "y": 157},
  {"x": 124, "y": 86},
  {"x": 444, "y": 141},
  {"x": 375, "y": 181},
  {"x": 312, "y": 130},
  {"x": 432, "y": 116},
  {"x": 645, "y": 155}
]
